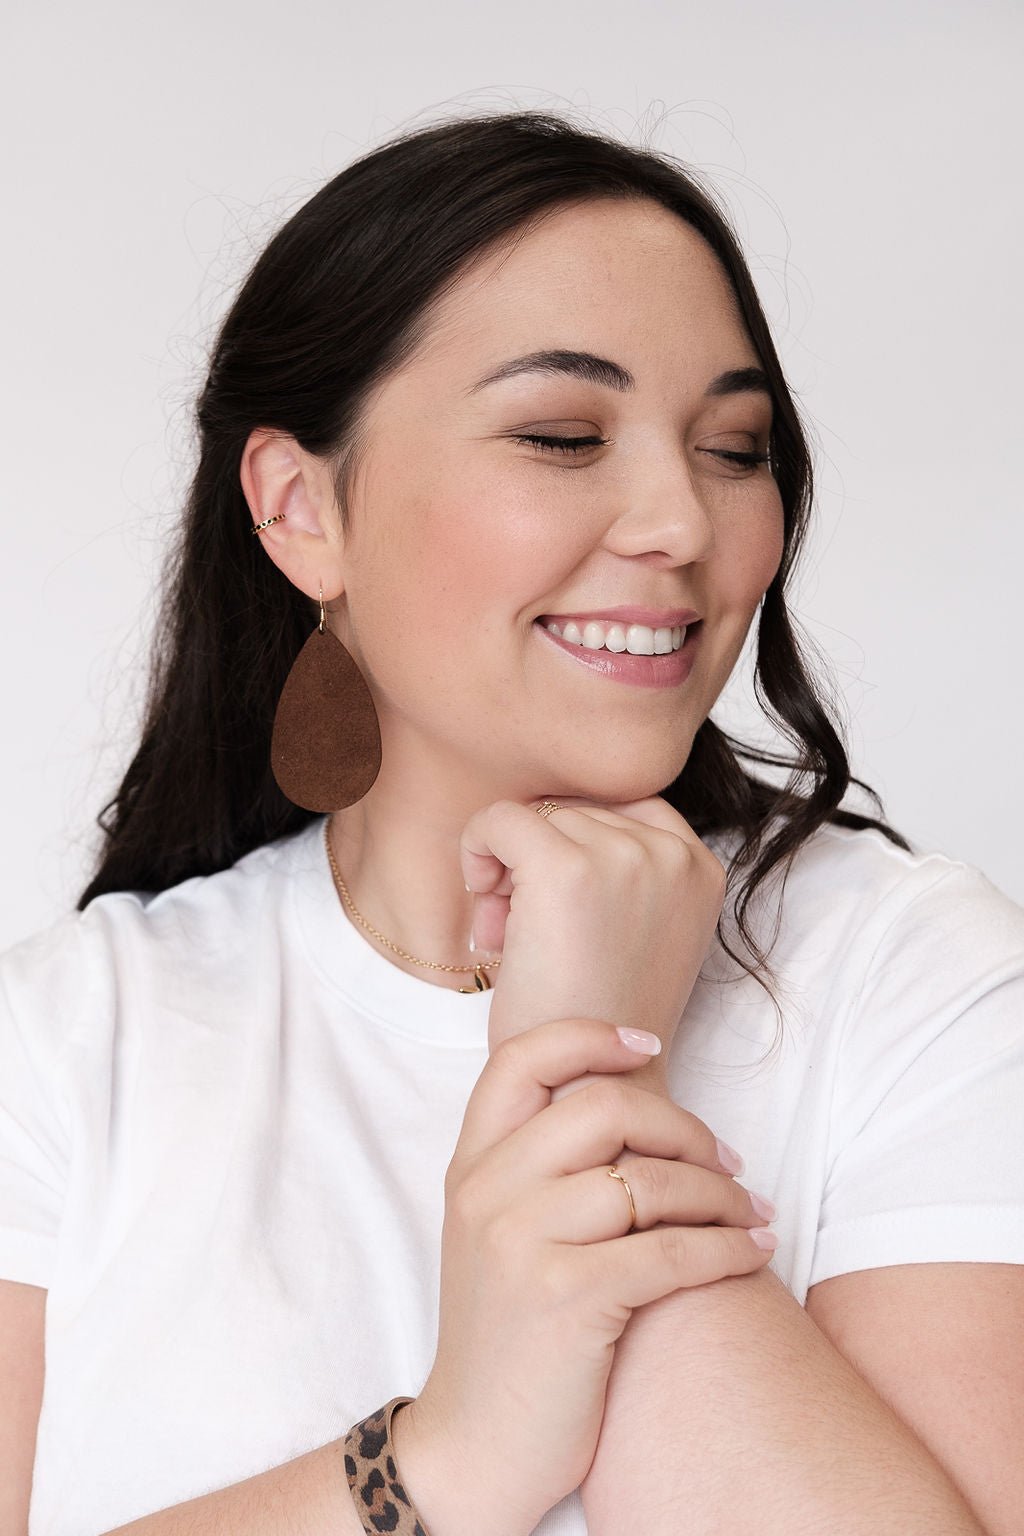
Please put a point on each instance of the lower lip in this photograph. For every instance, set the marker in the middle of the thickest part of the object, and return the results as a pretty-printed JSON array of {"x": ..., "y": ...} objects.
[{"x": 642, "y": 671}]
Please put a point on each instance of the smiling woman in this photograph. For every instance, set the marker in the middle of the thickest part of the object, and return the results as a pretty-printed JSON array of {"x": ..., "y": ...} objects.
[{"x": 497, "y": 467}]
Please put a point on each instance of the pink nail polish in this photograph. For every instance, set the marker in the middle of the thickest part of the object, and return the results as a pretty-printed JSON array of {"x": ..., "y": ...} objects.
[
  {"x": 763, "y": 1238},
  {"x": 641, "y": 1040},
  {"x": 729, "y": 1157},
  {"x": 762, "y": 1205}
]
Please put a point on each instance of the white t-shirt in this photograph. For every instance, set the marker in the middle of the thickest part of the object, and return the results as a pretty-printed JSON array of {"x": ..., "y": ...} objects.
[{"x": 225, "y": 1121}]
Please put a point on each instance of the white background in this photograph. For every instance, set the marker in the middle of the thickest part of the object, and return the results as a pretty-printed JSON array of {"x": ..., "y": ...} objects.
[{"x": 870, "y": 156}]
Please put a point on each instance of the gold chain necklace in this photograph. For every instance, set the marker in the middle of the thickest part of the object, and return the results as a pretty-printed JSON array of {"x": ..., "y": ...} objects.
[{"x": 481, "y": 981}]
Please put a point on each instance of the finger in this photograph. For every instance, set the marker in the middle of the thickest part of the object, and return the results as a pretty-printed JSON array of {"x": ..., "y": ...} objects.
[
  {"x": 584, "y": 822},
  {"x": 496, "y": 842},
  {"x": 594, "y": 1125},
  {"x": 592, "y": 1206},
  {"x": 644, "y": 1266},
  {"x": 500, "y": 840},
  {"x": 653, "y": 812},
  {"x": 650, "y": 824},
  {"x": 490, "y": 914},
  {"x": 516, "y": 1081},
  {"x": 504, "y": 843}
]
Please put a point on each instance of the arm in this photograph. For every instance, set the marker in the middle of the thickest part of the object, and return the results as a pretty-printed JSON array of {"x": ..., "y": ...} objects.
[
  {"x": 728, "y": 1410},
  {"x": 733, "y": 1405},
  {"x": 310, "y": 1496},
  {"x": 305, "y": 1497}
]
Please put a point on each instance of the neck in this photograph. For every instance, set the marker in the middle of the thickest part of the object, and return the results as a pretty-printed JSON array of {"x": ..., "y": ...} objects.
[{"x": 397, "y": 850}]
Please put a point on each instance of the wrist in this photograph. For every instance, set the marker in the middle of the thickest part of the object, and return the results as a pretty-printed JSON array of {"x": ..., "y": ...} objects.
[{"x": 452, "y": 1487}]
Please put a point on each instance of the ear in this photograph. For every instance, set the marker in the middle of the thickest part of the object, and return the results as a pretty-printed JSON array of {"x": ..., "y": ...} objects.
[{"x": 280, "y": 477}]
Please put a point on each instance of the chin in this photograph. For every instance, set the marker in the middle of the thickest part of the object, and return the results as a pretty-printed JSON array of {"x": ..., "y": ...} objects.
[{"x": 610, "y": 787}]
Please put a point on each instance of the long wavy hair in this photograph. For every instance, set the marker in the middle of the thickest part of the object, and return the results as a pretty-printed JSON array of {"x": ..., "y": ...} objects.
[{"x": 334, "y": 304}]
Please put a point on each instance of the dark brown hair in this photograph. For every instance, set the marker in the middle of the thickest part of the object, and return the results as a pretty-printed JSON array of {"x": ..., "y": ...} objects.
[{"x": 337, "y": 301}]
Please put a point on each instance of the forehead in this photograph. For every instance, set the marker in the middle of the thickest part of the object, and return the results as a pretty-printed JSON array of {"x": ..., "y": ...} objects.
[{"x": 604, "y": 274}]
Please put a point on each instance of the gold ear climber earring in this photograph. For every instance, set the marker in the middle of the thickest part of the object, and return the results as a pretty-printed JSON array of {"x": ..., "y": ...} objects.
[{"x": 267, "y": 522}]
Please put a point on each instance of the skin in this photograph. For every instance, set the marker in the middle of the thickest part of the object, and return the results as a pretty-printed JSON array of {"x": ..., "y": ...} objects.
[{"x": 459, "y": 537}]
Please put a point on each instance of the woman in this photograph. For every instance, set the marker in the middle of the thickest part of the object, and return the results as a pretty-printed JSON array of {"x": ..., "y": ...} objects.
[{"x": 309, "y": 1109}]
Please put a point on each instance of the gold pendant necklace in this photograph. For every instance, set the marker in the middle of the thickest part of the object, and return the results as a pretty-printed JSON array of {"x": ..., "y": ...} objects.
[{"x": 481, "y": 981}]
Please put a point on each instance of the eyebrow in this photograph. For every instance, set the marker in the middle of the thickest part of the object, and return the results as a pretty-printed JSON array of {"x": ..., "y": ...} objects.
[{"x": 601, "y": 370}]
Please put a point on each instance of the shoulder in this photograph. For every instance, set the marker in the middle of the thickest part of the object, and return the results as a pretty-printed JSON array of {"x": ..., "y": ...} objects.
[
  {"x": 862, "y": 885},
  {"x": 133, "y": 942},
  {"x": 924, "y": 957},
  {"x": 923, "y": 897}
]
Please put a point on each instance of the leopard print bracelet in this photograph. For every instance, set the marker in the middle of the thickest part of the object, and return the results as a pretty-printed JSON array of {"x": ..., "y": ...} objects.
[{"x": 373, "y": 1476}]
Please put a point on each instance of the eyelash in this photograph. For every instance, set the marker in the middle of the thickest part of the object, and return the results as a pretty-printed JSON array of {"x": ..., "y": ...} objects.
[{"x": 576, "y": 444}]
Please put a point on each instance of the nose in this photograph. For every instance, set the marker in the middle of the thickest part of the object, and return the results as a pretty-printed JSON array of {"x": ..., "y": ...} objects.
[{"x": 666, "y": 521}]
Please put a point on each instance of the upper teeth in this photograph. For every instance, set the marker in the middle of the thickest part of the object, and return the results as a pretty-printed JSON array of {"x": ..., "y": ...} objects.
[{"x": 638, "y": 639}]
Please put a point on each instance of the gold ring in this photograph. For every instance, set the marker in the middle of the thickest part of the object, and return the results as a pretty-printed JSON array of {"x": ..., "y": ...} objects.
[
  {"x": 615, "y": 1174},
  {"x": 267, "y": 522},
  {"x": 548, "y": 807}
]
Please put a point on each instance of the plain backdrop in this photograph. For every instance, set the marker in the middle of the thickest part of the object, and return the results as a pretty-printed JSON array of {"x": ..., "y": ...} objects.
[{"x": 869, "y": 154}]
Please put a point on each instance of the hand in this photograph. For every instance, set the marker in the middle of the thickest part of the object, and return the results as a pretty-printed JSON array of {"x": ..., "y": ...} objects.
[
  {"x": 538, "y": 1276},
  {"x": 606, "y": 913}
]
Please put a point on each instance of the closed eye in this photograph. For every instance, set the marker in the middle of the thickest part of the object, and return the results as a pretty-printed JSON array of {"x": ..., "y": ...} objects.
[
  {"x": 734, "y": 456},
  {"x": 577, "y": 444},
  {"x": 561, "y": 444}
]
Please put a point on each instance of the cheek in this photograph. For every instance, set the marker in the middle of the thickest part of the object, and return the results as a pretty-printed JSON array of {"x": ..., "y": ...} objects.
[
  {"x": 754, "y": 551},
  {"x": 494, "y": 544},
  {"x": 450, "y": 575}
]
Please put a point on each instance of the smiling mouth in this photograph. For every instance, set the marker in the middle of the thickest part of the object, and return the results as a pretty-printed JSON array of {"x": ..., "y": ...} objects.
[
  {"x": 664, "y": 670},
  {"x": 634, "y": 639}
]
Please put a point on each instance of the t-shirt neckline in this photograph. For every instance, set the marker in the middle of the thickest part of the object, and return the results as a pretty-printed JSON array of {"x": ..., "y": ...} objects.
[{"x": 345, "y": 958}]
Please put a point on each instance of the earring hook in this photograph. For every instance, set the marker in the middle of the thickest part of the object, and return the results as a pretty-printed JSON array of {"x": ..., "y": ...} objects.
[{"x": 322, "y": 626}]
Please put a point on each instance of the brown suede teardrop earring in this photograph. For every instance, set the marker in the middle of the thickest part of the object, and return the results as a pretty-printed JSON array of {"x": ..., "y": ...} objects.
[{"x": 325, "y": 748}]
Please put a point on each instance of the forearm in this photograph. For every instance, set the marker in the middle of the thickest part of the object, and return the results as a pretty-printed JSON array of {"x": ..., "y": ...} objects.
[
  {"x": 729, "y": 1411},
  {"x": 308, "y": 1496}
]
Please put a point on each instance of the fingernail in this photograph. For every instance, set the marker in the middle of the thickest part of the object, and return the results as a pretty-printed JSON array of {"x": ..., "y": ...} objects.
[
  {"x": 472, "y": 942},
  {"x": 763, "y": 1206},
  {"x": 639, "y": 1040},
  {"x": 729, "y": 1157},
  {"x": 468, "y": 887},
  {"x": 763, "y": 1238}
]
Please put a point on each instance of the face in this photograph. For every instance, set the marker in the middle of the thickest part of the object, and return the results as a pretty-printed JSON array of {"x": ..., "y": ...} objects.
[{"x": 462, "y": 536}]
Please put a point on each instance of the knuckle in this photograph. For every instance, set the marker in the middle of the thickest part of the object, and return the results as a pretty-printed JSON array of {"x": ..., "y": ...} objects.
[
  {"x": 510, "y": 1055},
  {"x": 676, "y": 1244},
  {"x": 698, "y": 1130},
  {"x": 502, "y": 1236},
  {"x": 465, "y": 1199},
  {"x": 715, "y": 873},
  {"x": 632, "y": 855},
  {"x": 606, "y": 1099},
  {"x": 655, "y": 1181},
  {"x": 574, "y": 866},
  {"x": 676, "y": 851},
  {"x": 651, "y": 1184},
  {"x": 554, "y": 1279}
]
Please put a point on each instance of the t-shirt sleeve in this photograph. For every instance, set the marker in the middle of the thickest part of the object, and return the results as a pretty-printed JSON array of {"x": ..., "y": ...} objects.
[
  {"x": 926, "y": 1135},
  {"x": 39, "y": 980}
]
